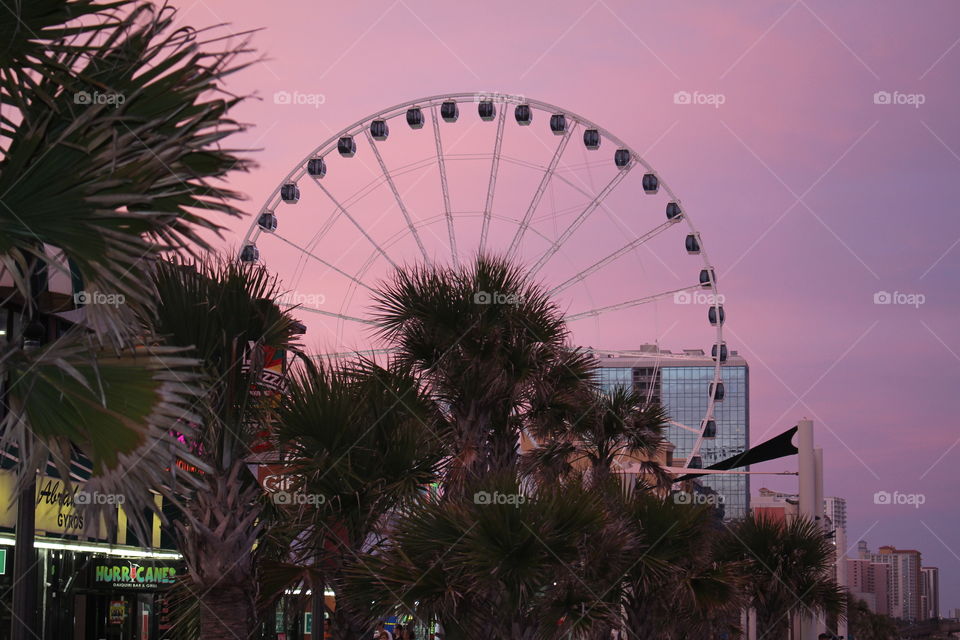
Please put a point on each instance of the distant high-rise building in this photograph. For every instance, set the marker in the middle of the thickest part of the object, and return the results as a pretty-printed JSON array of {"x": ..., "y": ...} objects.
[
  {"x": 930, "y": 592},
  {"x": 773, "y": 505},
  {"x": 680, "y": 382},
  {"x": 904, "y": 579},
  {"x": 785, "y": 506},
  {"x": 869, "y": 581},
  {"x": 836, "y": 510}
]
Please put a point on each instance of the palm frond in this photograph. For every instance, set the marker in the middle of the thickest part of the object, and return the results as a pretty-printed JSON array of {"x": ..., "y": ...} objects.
[
  {"x": 499, "y": 550},
  {"x": 113, "y": 185},
  {"x": 225, "y": 315},
  {"x": 115, "y": 408},
  {"x": 788, "y": 565},
  {"x": 36, "y": 34},
  {"x": 360, "y": 436}
]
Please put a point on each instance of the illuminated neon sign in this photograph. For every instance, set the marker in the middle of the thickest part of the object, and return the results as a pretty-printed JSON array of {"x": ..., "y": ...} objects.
[{"x": 133, "y": 576}]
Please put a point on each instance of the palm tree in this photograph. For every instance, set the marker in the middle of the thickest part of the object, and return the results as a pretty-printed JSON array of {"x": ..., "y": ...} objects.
[
  {"x": 789, "y": 566},
  {"x": 864, "y": 624},
  {"x": 95, "y": 190},
  {"x": 601, "y": 433},
  {"x": 504, "y": 563},
  {"x": 357, "y": 438},
  {"x": 485, "y": 340},
  {"x": 673, "y": 567},
  {"x": 678, "y": 588},
  {"x": 490, "y": 348},
  {"x": 224, "y": 314}
]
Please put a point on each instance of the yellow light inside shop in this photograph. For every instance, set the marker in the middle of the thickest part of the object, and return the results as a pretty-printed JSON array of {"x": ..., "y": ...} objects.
[
  {"x": 92, "y": 547},
  {"x": 297, "y": 591}
]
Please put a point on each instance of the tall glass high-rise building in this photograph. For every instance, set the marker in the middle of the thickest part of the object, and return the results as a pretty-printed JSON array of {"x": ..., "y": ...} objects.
[{"x": 680, "y": 382}]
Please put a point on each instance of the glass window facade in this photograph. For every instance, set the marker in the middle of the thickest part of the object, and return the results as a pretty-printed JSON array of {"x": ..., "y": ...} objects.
[
  {"x": 683, "y": 392},
  {"x": 611, "y": 377}
]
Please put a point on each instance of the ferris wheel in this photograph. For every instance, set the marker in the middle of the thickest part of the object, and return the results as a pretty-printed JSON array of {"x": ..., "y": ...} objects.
[{"x": 443, "y": 178}]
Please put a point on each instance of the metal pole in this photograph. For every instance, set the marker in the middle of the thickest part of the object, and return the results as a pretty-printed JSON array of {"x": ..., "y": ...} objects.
[
  {"x": 841, "y": 540},
  {"x": 819, "y": 512},
  {"x": 24, "y": 620},
  {"x": 807, "y": 468},
  {"x": 319, "y": 611},
  {"x": 25, "y": 573},
  {"x": 818, "y": 506}
]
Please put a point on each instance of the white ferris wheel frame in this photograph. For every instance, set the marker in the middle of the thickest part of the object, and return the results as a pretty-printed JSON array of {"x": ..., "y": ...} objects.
[{"x": 361, "y": 128}]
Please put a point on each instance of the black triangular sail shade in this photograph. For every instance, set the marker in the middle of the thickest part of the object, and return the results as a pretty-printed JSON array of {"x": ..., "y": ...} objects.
[{"x": 779, "y": 446}]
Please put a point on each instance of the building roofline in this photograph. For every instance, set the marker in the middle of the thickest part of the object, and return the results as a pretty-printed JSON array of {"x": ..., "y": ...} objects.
[{"x": 663, "y": 359}]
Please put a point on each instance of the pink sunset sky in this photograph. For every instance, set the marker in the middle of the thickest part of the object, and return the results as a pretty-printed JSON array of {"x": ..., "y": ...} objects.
[{"x": 810, "y": 195}]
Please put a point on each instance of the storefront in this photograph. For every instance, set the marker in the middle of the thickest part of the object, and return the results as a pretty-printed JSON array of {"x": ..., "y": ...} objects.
[
  {"x": 95, "y": 582},
  {"x": 123, "y": 599},
  {"x": 98, "y": 594},
  {"x": 294, "y": 617}
]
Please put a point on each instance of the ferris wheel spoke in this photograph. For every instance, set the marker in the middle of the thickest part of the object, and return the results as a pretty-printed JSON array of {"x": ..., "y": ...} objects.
[
  {"x": 309, "y": 254},
  {"x": 492, "y": 185},
  {"x": 610, "y": 258},
  {"x": 371, "y": 186},
  {"x": 629, "y": 303},
  {"x": 350, "y": 354},
  {"x": 445, "y": 187},
  {"x": 541, "y": 189},
  {"x": 359, "y": 227},
  {"x": 557, "y": 213},
  {"x": 597, "y": 201},
  {"x": 557, "y": 175},
  {"x": 683, "y": 426},
  {"x": 328, "y": 313},
  {"x": 396, "y": 195},
  {"x": 520, "y": 162}
]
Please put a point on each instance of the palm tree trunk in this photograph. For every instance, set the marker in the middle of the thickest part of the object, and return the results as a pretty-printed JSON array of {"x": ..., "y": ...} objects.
[
  {"x": 641, "y": 622},
  {"x": 225, "y": 613},
  {"x": 346, "y": 625},
  {"x": 217, "y": 535},
  {"x": 772, "y": 626},
  {"x": 601, "y": 633}
]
